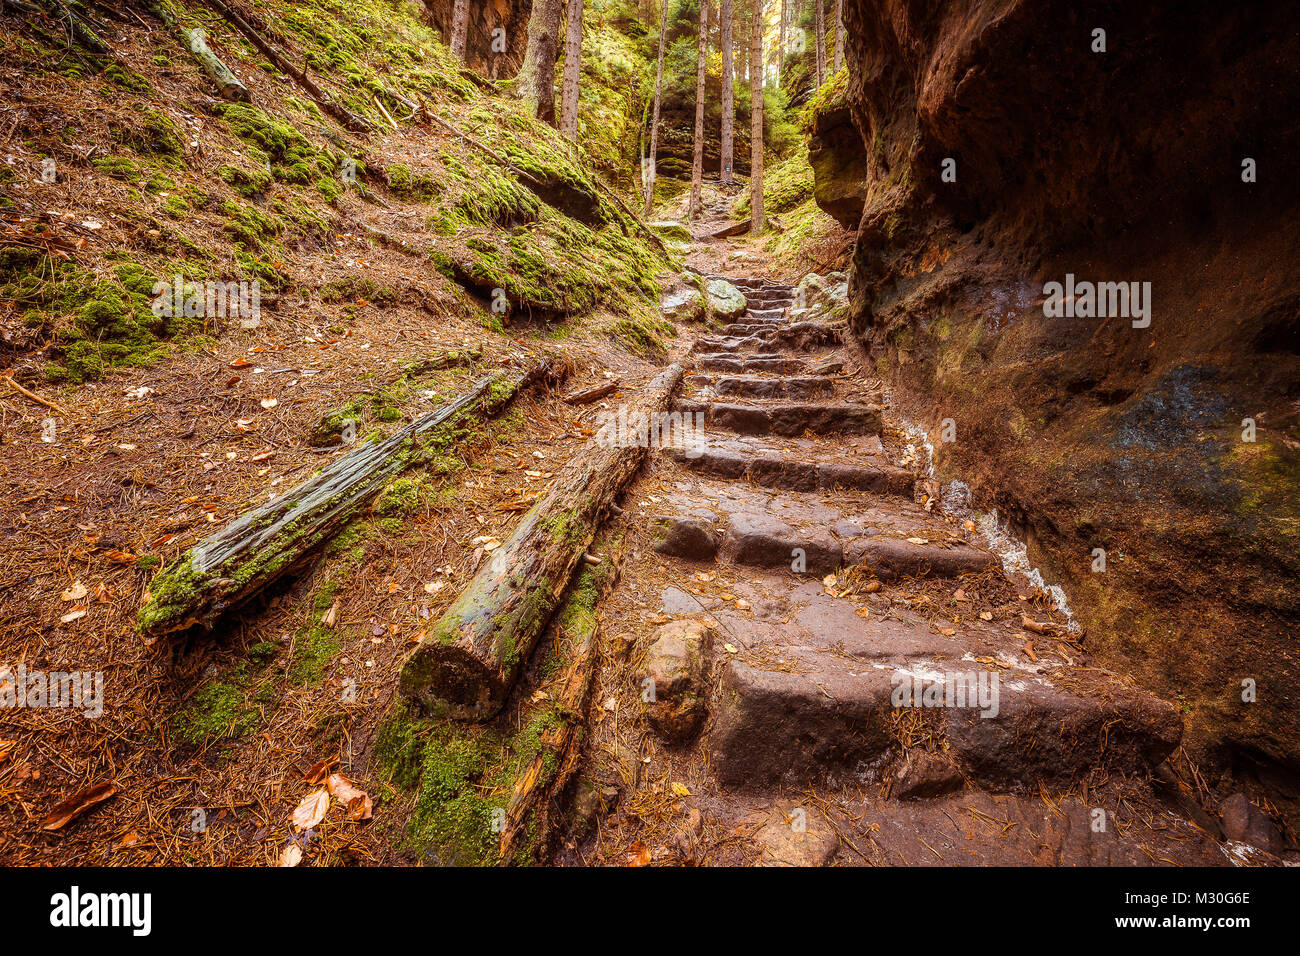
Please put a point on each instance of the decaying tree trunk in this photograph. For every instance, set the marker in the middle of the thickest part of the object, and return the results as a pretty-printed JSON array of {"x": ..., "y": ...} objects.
[
  {"x": 468, "y": 662},
  {"x": 229, "y": 567},
  {"x": 654, "y": 122},
  {"x": 349, "y": 119},
  {"x": 701, "y": 65},
  {"x": 725, "y": 24},
  {"x": 756, "y": 121},
  {"x": 195, "y": 43},
  {"x": 572, "y": 73}
]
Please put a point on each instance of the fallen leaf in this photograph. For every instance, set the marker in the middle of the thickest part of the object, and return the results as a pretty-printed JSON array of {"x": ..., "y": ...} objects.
[
  {"x": 131, "y": 839},
  {"x": 269, "y": 402},
  {"x": 742, "y": 605},
  {"x": 680, "y": 789},
  {"x": 68, "y": 809},
  {"x": 7, "y": 748},
  {"x": 74, "y": 593},
  {"x": 638, "y": 854},
  {"x": 357, "y": 801},
  {"x": 330, "y": 616},
  {"x": 947, "y": 631},
  {"x": 312, "y": 810},
  {"x": 75, "y": 614},
  {"x": 731, "y": 648},
  {"x": 986, "y": 615},
  {"x": 321, "y": 769},
  {"x": 918, "y": 540},
  {"x": 291, "y": 855}
]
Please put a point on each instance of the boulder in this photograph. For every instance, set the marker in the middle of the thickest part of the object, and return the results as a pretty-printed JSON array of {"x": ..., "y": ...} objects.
[
  {"x": 681, "y": 537},
  {"x": 670, "y": 229},
  {"x": 683, "y": 303},
  {"x": 725, "y": 300},
  {"x": 1243, "y": 822},
  {"x": 675, "y": 679}
]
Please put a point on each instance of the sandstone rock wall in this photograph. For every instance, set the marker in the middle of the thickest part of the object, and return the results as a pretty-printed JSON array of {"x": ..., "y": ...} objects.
[{"x": 1123, "y": 165}]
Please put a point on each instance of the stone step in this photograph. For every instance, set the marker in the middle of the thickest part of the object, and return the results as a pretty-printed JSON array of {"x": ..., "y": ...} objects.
[
  {"x": 794, "y": 418},
  {"x": 826, "y": 716},
  {"x": 744, "y": 386},
  {"x": 741, "y": 327},
  {"x": 728, "y": 343},
  {"x": 728, "y": 362},
  {"x": 763, "y": 540},
  {"x": 753, "y": 314},
  {"x": 774, "y": 468}
]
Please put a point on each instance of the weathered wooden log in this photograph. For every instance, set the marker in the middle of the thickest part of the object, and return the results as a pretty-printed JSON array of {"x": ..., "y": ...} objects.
[
  {"x": 583, "y": 396},
  {"x": 530, "y": 822},
  {"x": 196, "y": 44},
  {"x": 468, "y": 662},
  {"x": 227, "y": 568}
]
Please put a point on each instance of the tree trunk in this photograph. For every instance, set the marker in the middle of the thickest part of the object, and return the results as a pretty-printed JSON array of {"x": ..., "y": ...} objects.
[
  {"x": 535, "y": 83},
  {"x": 459, "y": 28},
  {"x": 780, "y": 41},
  {"x": 701, "y": 64},
  {"x": 744, "y": 45},
  {"x": 467, "y": 664},
  {"x": 839, "y": 35},
  {"x": 728, "y": 92},
  {"x": 756, "y": 121},
  {"x": 227, "y": 568},
  {"x": 572, "y": 73},
  {"x": 654, "y": 122},
  {"x": 821, "y": 42}
]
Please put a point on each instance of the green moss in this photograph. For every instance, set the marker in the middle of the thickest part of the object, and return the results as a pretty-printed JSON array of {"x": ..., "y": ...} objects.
[
  {"x": 118, "y": 167},
  {"x": 247, "y": 182},
  {"x": 402, "y": 496}
]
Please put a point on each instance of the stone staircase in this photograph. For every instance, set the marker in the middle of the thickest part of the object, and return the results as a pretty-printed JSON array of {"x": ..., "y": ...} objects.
[{"x": 828, "y": 644}]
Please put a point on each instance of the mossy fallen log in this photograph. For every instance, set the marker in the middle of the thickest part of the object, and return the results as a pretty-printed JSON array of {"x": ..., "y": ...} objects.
[
  {"x": 227, "y": 568},
  {"x": 196, "y": 44},
  {"x": 531, "y": 822},
  {"x": 468, "y": 662}
]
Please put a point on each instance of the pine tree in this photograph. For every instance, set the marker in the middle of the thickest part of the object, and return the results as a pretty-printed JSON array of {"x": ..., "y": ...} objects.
[
  {"x": 839, "y": 35},
  {"x": 821, "y": 42},
  {"x": 535, "y": 83},
  {"x": 459, "y": 28},
  {"x": 654, "y": 123},
  {"x": 728, "y": 92},
  {"x": 756, "y": 120},
  {"x": 572, "y": 73},
  {"x": 697, "y": 167}
]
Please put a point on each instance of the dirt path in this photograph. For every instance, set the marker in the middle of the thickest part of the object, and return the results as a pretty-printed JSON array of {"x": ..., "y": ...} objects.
[{"x": 807, "y": 663}]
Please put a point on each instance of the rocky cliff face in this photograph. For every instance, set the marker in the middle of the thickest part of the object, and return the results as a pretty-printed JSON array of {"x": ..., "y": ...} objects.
[
  {"x": 1167, "y": 435},
  {"x": 485, "y": 17}
]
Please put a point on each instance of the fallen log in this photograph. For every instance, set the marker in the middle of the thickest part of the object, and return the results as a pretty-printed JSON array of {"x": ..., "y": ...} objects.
[
  {"x": 529, "y": 822},
  {"x": 735, "y": 229},
  {"x": 265, "y": 542},
  {"x": 467, "y": 663},
  {"x": 346, "y": 117},
  {"x": 586, "y": 395},
  {"x": 196, "y": 44}
]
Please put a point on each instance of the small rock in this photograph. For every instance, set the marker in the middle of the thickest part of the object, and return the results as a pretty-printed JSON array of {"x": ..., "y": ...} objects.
[
  {"x": 795, "y": 836},
  {"x": 690, "y": 538},
  {"x": 1243, "y": 822},
  {"x": 925, "y": 775},
  {"x": 676, "y": 665}
]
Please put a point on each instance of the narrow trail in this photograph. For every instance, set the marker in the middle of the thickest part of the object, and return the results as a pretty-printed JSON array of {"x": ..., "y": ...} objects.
[{"x": 809, "y": 664}]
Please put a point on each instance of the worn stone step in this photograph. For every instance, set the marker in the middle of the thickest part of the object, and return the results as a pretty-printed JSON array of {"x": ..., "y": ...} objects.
[
  {"x": 795, "y": 386},
  {"x": 728, "y": 343},
  {"x": 762, "y": 315},
  {"x": 823, "y": 716},
  {"x": 774, "y": 469},
  {"x": 789, "y": 419},
  {"x": 728, "y": 362},
  {"x": 763, "y": 327}
]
